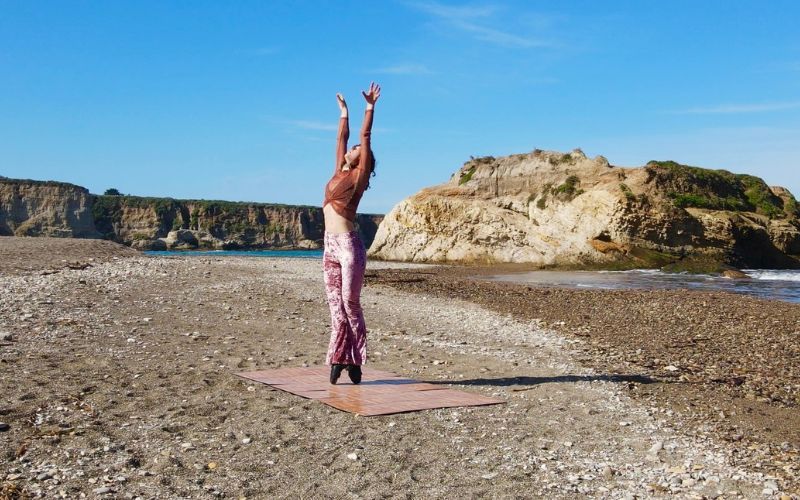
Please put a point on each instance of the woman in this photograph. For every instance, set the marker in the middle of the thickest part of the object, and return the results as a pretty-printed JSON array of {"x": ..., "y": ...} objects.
[{"x": 345, "y": 257}]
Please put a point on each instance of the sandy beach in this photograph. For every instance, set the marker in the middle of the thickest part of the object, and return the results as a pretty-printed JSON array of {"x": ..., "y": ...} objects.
[{"x": 118, "y": 382}]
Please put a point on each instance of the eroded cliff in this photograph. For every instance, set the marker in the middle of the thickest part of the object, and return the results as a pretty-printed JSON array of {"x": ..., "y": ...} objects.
[
  {"x": 158, "y": 223},
  {"x": 549, "y": 208},
  {"x": 45, "y": 208}
]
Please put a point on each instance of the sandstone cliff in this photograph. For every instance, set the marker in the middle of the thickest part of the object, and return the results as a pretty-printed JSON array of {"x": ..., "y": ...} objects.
[
  {"x": 160, "y": 223},
  {"x": 548, "y": 208},
  {"x": 45, "y": 208}
]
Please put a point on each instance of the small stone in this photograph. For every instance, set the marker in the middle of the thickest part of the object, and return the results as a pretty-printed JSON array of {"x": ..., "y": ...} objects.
[
  {"x": 352, "y": 456},
  {"x": 624, "y": 424},
  {"x": 102, "y": 490},
  {"x": 652, "y": 453},
  {"x": 489, "y": 476},
  {"x": 44, "y": 476},
  {"x": 6, "y": 336},
  {"x": 568, "y": 444},
  {"x": 187, "y": 446},
  {"x": 211, "y": 465},
  {"x": 607, "y": 472},
  {"x": 671, "y": 368},
  {"x": 4, "y": 427},
  {"x": 392, "y": 424},
  {"x": 247, "y": 440}
]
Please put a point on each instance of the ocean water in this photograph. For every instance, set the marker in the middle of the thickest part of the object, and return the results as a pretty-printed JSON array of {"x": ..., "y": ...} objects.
[
  {"x": 296, "y": 254},
  {"x": 764, "y": 283}
]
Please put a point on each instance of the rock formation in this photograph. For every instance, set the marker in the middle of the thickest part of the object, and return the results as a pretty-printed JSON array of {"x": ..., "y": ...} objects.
[
  {"x": 37, "y": 208},
  {"x": 548, "y": 208},
  {"x": 44, "y": 208}
]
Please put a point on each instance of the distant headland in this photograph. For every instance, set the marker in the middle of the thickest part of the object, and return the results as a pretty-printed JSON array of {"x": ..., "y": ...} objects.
[{"x": 49, "y": 208}]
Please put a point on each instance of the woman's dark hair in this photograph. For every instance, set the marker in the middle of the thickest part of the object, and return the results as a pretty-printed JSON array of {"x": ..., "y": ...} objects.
[{"x": 371, "y": 167}]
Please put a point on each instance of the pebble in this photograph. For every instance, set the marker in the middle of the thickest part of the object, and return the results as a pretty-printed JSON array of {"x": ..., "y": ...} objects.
[
  {"x": 6, "y": 336},
  {"x": 490, "y": 475},
  {"x": 44, "y": 476},
  {"x": 247, "y": 440},
  {"x": 652, "y": 453},
  {"x": 4, "y": 427},
  {"x": 352, "y": 456},
  {"x": 102, "y": 490}
]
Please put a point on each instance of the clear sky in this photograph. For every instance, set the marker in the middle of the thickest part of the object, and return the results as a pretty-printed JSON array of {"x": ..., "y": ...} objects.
[{"x": 236, "y": 100}]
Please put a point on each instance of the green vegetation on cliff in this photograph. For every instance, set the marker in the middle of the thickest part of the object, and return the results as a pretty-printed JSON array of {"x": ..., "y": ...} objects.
[
  {"x": 7, "y": 180},
  {"x": 466, "y": 176},
  {"x": 697, "y": 187},
  {"x": 569, "y": 187}
]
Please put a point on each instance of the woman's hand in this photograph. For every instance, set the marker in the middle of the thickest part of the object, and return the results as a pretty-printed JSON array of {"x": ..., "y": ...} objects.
[
  {"x": 342, "y": 104},
  {"x": 372, "y": 95}
]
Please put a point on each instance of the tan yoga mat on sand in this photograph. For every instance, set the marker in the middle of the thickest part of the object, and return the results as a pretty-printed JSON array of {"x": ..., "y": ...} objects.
[{"x": 379, "y": 393}]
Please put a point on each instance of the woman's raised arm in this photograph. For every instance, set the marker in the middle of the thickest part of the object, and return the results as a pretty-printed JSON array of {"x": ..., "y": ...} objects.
[
  {"x": 371, "y": 96},
  {"x": 344, "y": 133}
]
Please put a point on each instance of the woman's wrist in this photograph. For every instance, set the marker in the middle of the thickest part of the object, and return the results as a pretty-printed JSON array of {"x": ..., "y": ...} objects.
[
  {"x": 370, "y": 107},
  {"x": 344, "y": 113}
]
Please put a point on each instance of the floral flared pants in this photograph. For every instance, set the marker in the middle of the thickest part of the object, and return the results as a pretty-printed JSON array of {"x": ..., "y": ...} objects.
[{"x": 344, "y": 262}]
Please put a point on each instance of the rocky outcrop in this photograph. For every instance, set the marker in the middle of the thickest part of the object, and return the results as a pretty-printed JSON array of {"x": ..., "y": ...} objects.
[
  {"x": 549, "y": 208},
  {"x": 36, "y": 208},
  {"x": 44, "y": 208},
  {"x": 164, "y": 223}
]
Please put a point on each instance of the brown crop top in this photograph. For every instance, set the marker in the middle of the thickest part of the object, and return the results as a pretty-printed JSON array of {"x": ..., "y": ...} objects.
[{"x": 345, "y": 188}]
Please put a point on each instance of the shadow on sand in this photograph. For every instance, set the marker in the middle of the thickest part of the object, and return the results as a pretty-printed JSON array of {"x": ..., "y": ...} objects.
[{"x": 510, "y": 381}]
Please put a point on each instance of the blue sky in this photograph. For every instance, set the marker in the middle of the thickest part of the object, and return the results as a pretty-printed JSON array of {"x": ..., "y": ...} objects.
[{"x": 235, "y": 100}]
